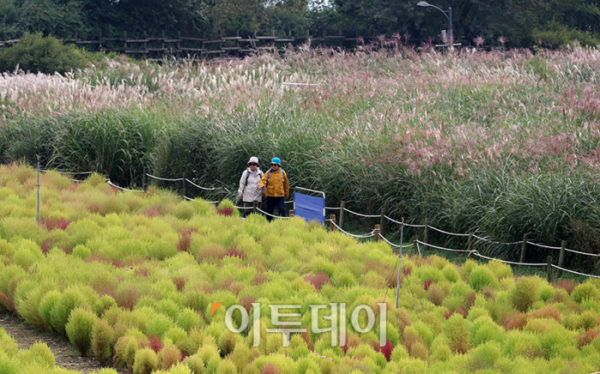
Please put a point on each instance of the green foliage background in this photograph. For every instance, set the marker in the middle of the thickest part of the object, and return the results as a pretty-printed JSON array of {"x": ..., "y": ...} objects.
[{"x": 521, "y": 23}]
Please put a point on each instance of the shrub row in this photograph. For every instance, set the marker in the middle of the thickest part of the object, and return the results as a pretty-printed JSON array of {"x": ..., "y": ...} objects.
[{"x": 132, "y": 308}]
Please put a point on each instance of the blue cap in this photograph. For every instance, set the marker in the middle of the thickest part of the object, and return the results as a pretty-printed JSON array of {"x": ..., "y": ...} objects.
[{"x": 275, "y": 160}]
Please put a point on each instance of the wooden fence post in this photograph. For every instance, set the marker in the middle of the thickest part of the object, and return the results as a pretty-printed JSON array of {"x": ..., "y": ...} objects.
[
  {"x": 469, "y": 242},
  {"x": 377, "y": 232},
  {"x": 255, "y": 206},
  {"x": 415, "y": 245},
  {"x": 184, "y": 184},
  {"x": 342, "y": 206},
  {"x": 561, "y": 258},
  {"x": 426, "y": 234},
  {"x": 291, "y": 213},
  {"x": 145, "y": 179},
  {"x": 549, "y": 268},
  {"x": 382, "y": 221},
  {"x": 332, "y": 222},
  {"x": 523, "y": 248}
]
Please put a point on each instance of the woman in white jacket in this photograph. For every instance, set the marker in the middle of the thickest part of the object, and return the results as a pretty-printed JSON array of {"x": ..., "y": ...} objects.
[{"x": 249, "y": 191}]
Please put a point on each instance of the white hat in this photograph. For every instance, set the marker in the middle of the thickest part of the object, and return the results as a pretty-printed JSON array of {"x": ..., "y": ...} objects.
[{"x": 253, "y": 159}]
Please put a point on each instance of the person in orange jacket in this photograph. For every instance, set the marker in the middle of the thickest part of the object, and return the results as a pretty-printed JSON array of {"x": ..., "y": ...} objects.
[{"x": 277, "y": 187}]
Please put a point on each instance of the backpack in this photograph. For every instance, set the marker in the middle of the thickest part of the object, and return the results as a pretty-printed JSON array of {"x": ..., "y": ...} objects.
[
  {"x": 269, "y": 176},
  {"x": 248, "y": 177}
]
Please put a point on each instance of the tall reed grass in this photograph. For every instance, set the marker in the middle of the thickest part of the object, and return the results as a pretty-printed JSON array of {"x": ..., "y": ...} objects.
[{"x": 503, "y": 143}]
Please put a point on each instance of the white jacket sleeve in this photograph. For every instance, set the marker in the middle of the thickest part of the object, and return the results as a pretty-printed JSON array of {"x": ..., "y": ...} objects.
[{"x": 242, "y": 182}]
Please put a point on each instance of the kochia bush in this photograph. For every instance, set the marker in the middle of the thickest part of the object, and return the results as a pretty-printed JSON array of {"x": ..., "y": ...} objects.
[
  {"x": 146, "y": 361},
  {"x": 482, "y": 276},
  {"x": 79, "y": 329},
  {"x": 524, "y": 294},
  {"x": 585, "y": 291},
  {"x": 103, "y": 337},
  {"x": 456, "y": 329}
]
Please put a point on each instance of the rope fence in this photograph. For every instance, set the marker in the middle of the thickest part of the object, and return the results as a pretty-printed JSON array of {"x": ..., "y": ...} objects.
[
  {"x": 403, "y": 223},
  {"x": 575, "y": 272},
  {"x": 494, "y": 242},
  {"x": 369, "y": 235},
  {"x": 210, "y": 202},
  {"x": 69, "y": 172},
  {"x": 378, "y": 232},
  {"x": 443, "y": 248},
  {"x": 507, "y": 262},
  {"x": 446, "y": 232},
  {"x": 476, "y": 253},
  {"x": 195, "y": 185},
  {"x": 542, "y": 246},
  {"x": 362, "y": 215},
  {"x": 271, "y": 215},
  {"x": 165, "y": 179},
  {"x": 395, "y": 245},
  {"x": 582, "y": 253}
]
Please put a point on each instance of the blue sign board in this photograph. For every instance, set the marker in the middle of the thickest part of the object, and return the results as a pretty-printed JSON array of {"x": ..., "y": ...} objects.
[{"x": 310, "y": 208}]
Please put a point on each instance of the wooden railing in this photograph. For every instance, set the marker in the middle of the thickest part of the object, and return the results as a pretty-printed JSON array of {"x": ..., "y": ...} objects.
[{"x": 157, "y": 47}]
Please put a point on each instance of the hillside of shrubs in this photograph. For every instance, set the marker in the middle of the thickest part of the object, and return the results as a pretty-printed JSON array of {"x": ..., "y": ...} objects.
[
  {"x": 500, "y": 143},
  {"x": 130, "y": 277}
]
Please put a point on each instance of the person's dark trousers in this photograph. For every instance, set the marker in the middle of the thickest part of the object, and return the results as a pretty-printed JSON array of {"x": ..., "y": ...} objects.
[
  {"x": 273, "y": 202},
  {"x": 248, "y": 208}
]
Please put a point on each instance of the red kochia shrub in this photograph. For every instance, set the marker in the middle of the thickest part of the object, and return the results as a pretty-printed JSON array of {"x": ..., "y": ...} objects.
[
  {"x": 117, "y": 263},
  {"x": 587, "y": 337},
  {"x": 259, "y": 279},
  {"x": 427, "y": 284},
  {"x": 179, "y": 283},
  {"x": 317, "y": 280},
  {"x": 269, "y": 368},
  {"x": 57, "y": 224},
  {"x": 155, "y": 343},
  {"x": 234, "y": 253},
  {"x": 226, "y": 212},
  {"x": 97, "y": 257},
  {"x": 47, "y": 245},
  {"x": 386, "y": 349},
  {"x": 153, "y": 211},
  {"x": 516, "y": 321},
  {"x": 185, "y": 239},
  {"x": 127, "y": 297},
  {"x": 566, "y": 284},
  {"x": 548, "y": 311},
  {"x": 246, "y": 302}
]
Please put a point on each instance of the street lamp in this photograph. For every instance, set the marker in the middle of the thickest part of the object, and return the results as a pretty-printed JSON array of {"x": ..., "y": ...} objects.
[{"x": 447, "y": 13}]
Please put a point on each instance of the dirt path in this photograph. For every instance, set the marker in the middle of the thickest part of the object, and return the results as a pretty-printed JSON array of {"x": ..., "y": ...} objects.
[{"x": 66, "y": 356}]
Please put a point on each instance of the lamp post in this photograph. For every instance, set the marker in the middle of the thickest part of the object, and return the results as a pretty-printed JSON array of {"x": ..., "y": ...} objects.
[{"x": 447, "y": 13}]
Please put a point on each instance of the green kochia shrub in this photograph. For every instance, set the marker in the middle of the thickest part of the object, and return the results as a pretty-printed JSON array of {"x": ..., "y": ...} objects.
[
  {"x": 7, "y": 344},
  {"x": 39, "y": 54},
  {"x": 102, "y": 340},
  {"x": 456, "y": 329},
  {"x": 81, "y": 251},
  {"x": 146, "y": 361},
  {"x": 162, "y": 249},
  {"x": 46, "y": 305},
  {"x": 524, "y": 294},
  {"x": 158, "y": 325},
  {"x": 125, "y": 351},
  {"x": 482, "y": 276},
  {"x": 79, "y": 329},
  {"x": 39, "y": 353},
  {"x": 59, "y": 315},
  {"x": 585, "y": 291}
]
